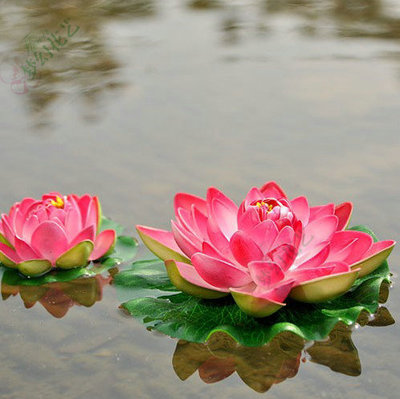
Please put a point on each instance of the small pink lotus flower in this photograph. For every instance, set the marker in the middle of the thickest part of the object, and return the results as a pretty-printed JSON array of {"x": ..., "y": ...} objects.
[
  {"x": 54, "y": 232},
  {"x": 263, "y": 251}
]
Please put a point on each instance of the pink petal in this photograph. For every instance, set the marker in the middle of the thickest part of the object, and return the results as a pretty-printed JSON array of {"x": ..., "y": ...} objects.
[
  {"x": 298, "y": 233},
  {"x": 185, "y": 201},
  {"x": 317, "y": 260},
  {"x": 217, "y": 238},
  {"x": 92, "y": 213},
  {"x": 83, "y": 205},
  {"x": 189, "y": 273},
  {"x": 277, "y": 294},
  {"x": 301, "y": 209},
  {"x": 343, "y": 212},
  {"x": 254, "y": 194},
  {"x": 186, "y": 241},
  {"x": 244, "y": 249},
  {"x": 284, "y": 256},
  {"x": 161, "y": 242},
  {"x": 215, "y": 194},
  {"x": 264, "y": 234},
  {"x": 318, "y": 231},
  {"x": 29, "y": 227},
  {"x": 272, "y": 190},
  {"x": 309, "y": 253},
  {"x": 265, "y": 274},
  {"x": 349, "y": 246},
  {"x": 200, "y": 222},
  {"x": 9, "y": 253},
  {"x": 73, "y": 222},
  {"x": 164, "y": 237},
  {"x": 54, "y": 213},
  {"x": 328, "y": 269},
  {"x": 378, "y": 247},
  {"x": 102, "y": 244},
  {"x": 21, "y": 214},
  {"x": 219, "y": 273},
  {"x": 317, "y": 212},
  {"x": 285, "y": 236},
  {"x": 49, "y": 241},
  {"x": 7, "y": 229},
  {"x": 210, "y": 250},
  {"x": 248, "y": 219},
  {"x": 24, "y": 250},
  {"x": 225, "y": 217},
  {"x": 185, "y": 220},
  {"x": 89, "y": 233}
]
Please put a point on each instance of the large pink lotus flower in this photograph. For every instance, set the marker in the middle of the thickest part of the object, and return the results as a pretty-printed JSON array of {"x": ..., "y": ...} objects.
[
  {"x": 263, "y": 251},
  {"x": 54, "y": 232}
]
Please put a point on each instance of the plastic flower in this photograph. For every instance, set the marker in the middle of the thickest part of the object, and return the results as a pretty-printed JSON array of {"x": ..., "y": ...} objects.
[
  {"x": 264, "y": 250},
  {"x": 54, "y": 232}
]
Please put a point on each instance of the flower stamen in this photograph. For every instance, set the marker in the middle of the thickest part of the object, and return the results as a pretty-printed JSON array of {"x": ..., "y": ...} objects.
[{"x": 58, "y": 203}]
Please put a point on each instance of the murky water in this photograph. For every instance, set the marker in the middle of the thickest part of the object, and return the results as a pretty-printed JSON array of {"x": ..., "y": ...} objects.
[{"x": 147, "y": 98}]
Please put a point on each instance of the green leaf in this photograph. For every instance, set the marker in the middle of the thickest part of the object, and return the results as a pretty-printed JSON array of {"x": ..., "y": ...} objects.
[
  {"x": 125, "y": 250},
  {"x": 108, "y": 224},
  {"x": 12, "y": 277},
  {"x": 158, "y": 305}
]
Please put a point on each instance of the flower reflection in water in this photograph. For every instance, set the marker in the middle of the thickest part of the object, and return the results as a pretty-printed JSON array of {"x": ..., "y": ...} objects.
[
  {"x": 58, "y": 297},
  {"x": 262, "y": 367}
]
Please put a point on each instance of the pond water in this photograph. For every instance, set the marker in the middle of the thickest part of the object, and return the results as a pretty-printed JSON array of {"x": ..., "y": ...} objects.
[{"x": 148, "y": 98}]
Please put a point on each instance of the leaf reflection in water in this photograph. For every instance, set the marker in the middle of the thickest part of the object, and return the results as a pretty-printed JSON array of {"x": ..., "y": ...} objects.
[
  {"x": 261, "y": 367},
  {"x": 58, "y": 297}
]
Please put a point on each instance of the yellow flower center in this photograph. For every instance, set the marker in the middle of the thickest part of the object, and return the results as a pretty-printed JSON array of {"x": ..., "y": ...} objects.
[
  {"x": 261, "y": 204},
  {"x": 58, "y": 203}
]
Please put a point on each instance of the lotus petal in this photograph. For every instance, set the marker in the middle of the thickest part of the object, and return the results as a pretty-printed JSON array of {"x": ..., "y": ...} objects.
[
  {"x": 24, "y": 250},
  {"x": 374, "y": 257},
  {"x": 283, "y": 255},
  {"x": 248, "y": 219},
  {"x": 161, "y": 243},
  {"x": 186, "y": 201},
  {"x": 244, "y": 249},
  {"x": 5, "y": 241},
  {"x": 343, "y": 213},
  {"x": 89, "y": 233},
  {"x": 34, "y": 268},
  {"x": 219, "y": 273},
  {"x": 317, "y": 212},
  {"x": 187, "y": 242},
  {"x": 185, "y": 278},
  {"x": 264, "y": 234},
  {"x": 8, "y": 256},
  {"x": 301, "y": 209},
  {"x": 103, "y": 244},
  {"x": 225, "y": 216},
  {"x": 318, "y": 231},
  {"x": 254, "y": 194},
  {"x": 266, "y": 274},
  {"x": 272, "y": 190},
  {"x": 260, "y": 304},
  {"x": 49, "y": 240},
  {"x": 324, "y": 288},
  {"x": 78, "y": 256}
]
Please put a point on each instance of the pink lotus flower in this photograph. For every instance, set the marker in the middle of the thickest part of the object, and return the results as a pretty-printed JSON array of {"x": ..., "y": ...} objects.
[
  {"x": 54, "y": 232},
  {"x": 263, "y": 251}
]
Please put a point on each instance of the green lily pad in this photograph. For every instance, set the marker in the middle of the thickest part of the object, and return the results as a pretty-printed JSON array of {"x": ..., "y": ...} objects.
[{"x": 158, "y": 305}]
